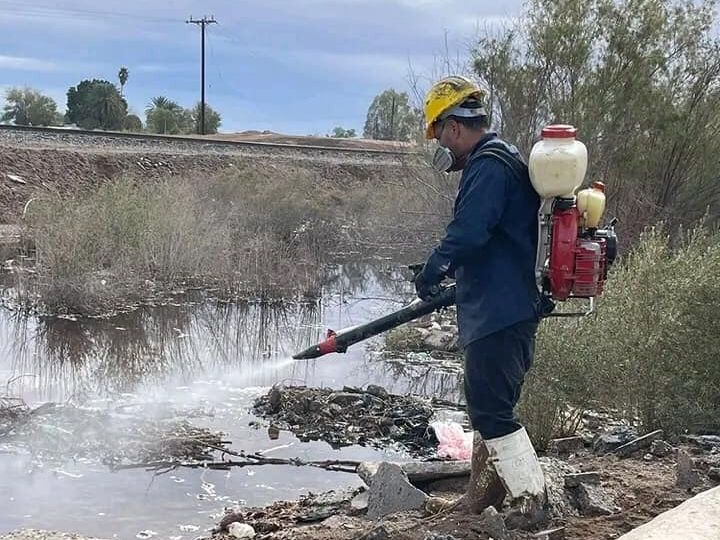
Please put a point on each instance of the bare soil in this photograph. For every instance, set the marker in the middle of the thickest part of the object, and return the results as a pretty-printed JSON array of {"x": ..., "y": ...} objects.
[{"x": 641, "y": 489}]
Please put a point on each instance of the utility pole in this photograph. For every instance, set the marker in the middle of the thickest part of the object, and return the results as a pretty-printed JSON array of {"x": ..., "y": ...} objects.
[
  {"x": 202, "y": 23},
  {"x": 392, "y": 118}
]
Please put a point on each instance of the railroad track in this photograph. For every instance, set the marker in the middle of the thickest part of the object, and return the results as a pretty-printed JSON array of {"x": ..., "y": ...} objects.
[{"x": 67, "y": 135}]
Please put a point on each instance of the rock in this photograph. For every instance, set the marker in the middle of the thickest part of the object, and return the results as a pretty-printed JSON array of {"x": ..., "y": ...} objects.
[
  {"x": 437, "y": 340},
  {"x": 241, "y": 530},
  {"x": 378, "y": 533},
  {"x": 661, "y": 449},
  {"x": 337, "y": 522},
  {"x": 648, "y": 457},
  {"x": 551, "y": 534},
  {"x": 686, "y": 475},
  {"x": 708, "y": 442},
  {"x": 366, "y": 470},
  {"x": 228, "y": 520},
  {"x": 608, "y": 441},
  {"x": 275, "y": 399},
  {"x": 594, "y": 500},
  {"x": 714, "y": 473},
  {"x": 565, "y": 445},
  {"x": 438, "y": 536},
  {"x": 359, "y": 503},
  {"x": 391, "y": 491},
  {"x": 639, "y": 443},
  {"x": 575, "y": 479},
  {"x": 492, "y": 523},
  {"x": 377, "y": 391},
  {"x": 561, "y": 502},
  {"x": 435, "y": 505}
]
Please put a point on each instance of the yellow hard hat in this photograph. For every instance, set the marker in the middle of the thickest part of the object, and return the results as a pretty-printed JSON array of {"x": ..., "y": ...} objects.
[{"x": 446, "y": 94}]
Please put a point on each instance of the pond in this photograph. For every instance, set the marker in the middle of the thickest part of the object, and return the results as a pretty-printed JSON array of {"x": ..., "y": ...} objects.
[{"x": 198, "y": 360}]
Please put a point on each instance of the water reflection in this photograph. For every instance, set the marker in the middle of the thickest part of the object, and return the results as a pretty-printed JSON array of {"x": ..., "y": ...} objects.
[
  {"x": 202, "y": 356},
  {"x": 199, "y": 336}
]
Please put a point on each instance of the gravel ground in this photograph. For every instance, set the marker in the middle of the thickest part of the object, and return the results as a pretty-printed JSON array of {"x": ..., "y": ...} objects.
[{"x": 115, "y": 145}]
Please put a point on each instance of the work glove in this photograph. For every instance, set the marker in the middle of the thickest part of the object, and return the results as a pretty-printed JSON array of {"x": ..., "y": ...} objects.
[{"x": 425, "y": 290}]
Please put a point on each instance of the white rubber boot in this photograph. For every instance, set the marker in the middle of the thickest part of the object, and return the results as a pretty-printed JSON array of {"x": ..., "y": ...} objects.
[{"x": 519, "y": 470}]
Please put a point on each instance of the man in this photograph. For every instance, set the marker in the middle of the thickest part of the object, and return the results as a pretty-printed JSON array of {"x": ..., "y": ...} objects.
[{"x": 490, "y": 248}]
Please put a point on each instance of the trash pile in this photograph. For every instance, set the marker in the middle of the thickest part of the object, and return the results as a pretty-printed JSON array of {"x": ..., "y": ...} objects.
[{"x": 370, "y": 417}]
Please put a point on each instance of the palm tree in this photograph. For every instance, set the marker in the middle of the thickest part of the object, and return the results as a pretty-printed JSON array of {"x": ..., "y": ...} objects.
[
  {"x": 164, "y": 115},
  {"x": 123, "y": 75}
]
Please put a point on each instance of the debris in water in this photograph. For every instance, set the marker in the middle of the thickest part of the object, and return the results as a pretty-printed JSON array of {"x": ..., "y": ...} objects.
[{"x": 369, "y": 417}]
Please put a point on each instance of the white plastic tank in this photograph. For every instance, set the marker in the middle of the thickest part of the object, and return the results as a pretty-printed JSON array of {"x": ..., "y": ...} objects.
[{"x": 558, "y": 162}]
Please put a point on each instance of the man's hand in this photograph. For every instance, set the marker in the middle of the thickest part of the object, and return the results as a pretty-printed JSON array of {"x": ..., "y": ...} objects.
[{"x": 425, "y": 290}]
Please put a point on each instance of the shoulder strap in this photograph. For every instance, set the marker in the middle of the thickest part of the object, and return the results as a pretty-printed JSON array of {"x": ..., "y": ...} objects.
[{"x": 508, "y": 159}]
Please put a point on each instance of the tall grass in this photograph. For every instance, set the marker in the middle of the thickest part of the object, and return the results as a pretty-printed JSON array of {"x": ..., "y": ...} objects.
[{"x": 249, "y": 233}]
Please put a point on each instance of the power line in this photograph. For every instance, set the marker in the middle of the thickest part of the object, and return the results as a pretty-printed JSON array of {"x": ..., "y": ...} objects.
[
  {"x": 47, "y": 11},
  {"x": 202, "y": 23}
]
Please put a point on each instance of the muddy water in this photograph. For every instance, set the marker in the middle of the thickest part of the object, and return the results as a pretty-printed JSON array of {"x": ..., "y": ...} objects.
[{"x": 204, "y": 362}]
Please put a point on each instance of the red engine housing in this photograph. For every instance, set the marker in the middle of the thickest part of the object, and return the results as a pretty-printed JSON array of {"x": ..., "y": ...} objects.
[{"x": 577, "y": 265}]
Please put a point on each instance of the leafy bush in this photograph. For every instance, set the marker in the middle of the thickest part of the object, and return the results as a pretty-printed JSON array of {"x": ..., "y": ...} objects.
[{"x": 650, "y": 351}]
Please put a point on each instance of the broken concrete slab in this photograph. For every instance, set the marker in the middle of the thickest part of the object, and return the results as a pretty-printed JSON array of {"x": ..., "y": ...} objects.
[
  {"x": 608, "y": 441},
  {"x": 594, "y": 500},
  {"x": 419, "y": 472},
  {"x": 695, "y": 519},
  {"x": 491, "y": 522},
  {"x": 565, "y": 445},
  {"x": 560, "y": 500},
  {"x": 573, "y": 480},
  {"x": 639, "y": 443},
  {"x": 687, "y": 476},
  {"x": 391, "y": 491}
]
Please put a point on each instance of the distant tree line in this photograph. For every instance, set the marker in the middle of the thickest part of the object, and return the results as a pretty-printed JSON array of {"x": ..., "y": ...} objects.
[{"x": 100, "y": 104}]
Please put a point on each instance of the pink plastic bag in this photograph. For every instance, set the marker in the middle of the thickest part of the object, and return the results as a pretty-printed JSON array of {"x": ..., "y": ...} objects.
[{"x": 454, "y": 442}]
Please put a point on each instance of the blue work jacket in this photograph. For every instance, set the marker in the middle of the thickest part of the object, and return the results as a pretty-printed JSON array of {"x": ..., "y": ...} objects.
[{"x": 490, "y": 245}]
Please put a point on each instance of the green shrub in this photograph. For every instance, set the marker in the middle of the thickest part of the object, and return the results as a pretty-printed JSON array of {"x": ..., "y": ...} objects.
[{"x": 650, "y": 350}]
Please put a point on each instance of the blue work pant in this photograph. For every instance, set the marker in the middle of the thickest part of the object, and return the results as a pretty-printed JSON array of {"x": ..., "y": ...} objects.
[{"x": 495, "y": 368}]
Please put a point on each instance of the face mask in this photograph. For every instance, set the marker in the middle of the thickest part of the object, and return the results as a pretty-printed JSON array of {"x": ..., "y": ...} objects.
[{"x": 443, "y": 160}]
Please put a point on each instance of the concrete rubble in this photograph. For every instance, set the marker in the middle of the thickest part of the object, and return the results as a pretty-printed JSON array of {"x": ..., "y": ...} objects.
[{"x": 391, "y": 491}]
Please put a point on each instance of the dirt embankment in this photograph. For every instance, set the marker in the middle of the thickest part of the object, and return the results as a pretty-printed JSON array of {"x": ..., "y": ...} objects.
[{"x": 33, "y": 163}]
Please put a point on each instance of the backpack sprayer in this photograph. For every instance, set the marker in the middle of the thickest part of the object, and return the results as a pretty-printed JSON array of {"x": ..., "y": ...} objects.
[{"x": 573, "y": 256}]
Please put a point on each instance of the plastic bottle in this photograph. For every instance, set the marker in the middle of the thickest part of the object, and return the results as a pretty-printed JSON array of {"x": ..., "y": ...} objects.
[
  {"x": 594, "y": 205},
  {"x": 558, "y": 162}
]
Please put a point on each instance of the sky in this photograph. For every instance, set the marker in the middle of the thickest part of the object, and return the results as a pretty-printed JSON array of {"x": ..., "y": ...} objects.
[{"x": 298, "y": 67}]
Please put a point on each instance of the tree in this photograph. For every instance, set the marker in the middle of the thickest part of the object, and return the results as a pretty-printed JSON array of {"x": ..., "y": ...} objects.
[
  {"x": 391, "y": 118},
  {"x": 164, "y": 115},
  {"x": 96, "y": 104},
  {"x": 132, "y": 122},
  {"x": 212, "y": 119},
  {"x": 123, "y": 75},
  {"x": 639, "y": 78},
  {"x": 342, "y": 133},
  {"x": 28, "y": 107}
]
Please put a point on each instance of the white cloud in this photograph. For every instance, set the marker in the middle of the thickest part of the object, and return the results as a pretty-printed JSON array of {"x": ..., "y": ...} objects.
[{"x": 22, "y": 63}]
